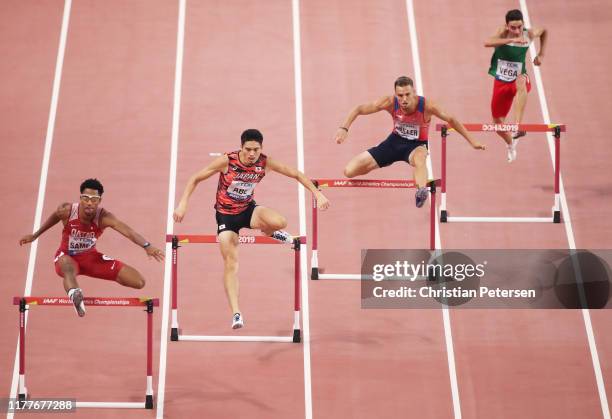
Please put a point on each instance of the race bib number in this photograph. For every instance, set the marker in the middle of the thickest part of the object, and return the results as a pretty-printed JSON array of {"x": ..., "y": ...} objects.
[
  {"x": 240, "y": 191},
  {"x": 408, "y": 131},
  {"x": 78, "y": 245},
  {"x": 508, "y": 70}
]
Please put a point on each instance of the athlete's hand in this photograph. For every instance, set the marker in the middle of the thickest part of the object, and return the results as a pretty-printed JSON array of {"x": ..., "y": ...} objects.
[
  {"x": 155, "y": 253},
  {"x": 538, "y": 59},
  {"x": 179, "y": 213},
  {"x": 28, "y": 238},
  {"x": 322, "y": 202},
  {"x": 478, "y": 146},
  {"x": 341, "y": 135}
]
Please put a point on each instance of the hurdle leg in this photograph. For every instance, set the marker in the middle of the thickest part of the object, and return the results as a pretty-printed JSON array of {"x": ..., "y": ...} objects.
[
  {"x": 149, "y": 393},
  {"x": 557, "y": 207},
  {"x": 174, "y": 331},
  {"x": 314, "y": 261},
  {"x": 22, "y": 391},
  {"x": 297, "y": 283},
  {"x": 432, "y": 216},
  {"x": 443, "y": 212}
]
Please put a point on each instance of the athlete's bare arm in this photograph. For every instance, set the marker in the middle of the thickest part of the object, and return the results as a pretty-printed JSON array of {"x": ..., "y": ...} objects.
[
  {"x": 542, "y": 34},
  {"x": 381, "y": 104},
  {"x": 218, "y": 165},
  {"x": 109, "y": 220},
  {"x": 322, "y": 201},
  {"x": 501, "y": 38},
  {"x": 60, "y": 214},
  {"x": 433, "y": 109}
]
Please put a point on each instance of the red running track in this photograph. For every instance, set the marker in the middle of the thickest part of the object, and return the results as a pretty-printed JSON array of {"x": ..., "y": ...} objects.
[{"x": 114, "y": 121}]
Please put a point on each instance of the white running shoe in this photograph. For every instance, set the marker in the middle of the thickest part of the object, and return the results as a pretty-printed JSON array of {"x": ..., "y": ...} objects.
[
  {"x": 237, "y": 321},
  {"x": 282, "y": 236},
  {"x": 76, "y": 296}
]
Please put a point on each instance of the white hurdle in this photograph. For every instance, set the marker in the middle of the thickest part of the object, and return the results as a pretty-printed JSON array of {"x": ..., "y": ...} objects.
[
  {"x": 555, "y": 129},
  {"x": 363, "y": 183},
  {"x": 175, "y": 333}
]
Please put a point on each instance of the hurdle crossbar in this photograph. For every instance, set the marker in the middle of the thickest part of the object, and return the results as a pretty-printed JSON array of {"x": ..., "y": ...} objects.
[
  {"x": 364, "y": 183},
  {"x": 25, "y": 303},
  {"x": 180, "y": 239},
  {"x": 551, "y": 129}
]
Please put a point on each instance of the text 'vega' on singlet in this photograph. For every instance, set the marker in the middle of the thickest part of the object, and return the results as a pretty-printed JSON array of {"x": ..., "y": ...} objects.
[{"x": 508, "y": 61}]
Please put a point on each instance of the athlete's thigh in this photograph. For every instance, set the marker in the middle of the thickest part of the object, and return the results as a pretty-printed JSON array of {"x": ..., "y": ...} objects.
[
  {"x": 263, "y": 217},
  {"x": 417, "y": 152}
]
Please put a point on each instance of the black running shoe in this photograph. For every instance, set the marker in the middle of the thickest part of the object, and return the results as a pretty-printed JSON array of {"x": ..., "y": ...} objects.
[{"x": 421, "y": 197}]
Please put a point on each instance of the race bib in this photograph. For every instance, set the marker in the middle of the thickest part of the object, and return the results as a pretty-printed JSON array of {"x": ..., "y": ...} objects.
[
  {"x": 408, "y": 131},
  {"x": 240, "y": 191},
  {"x": 508, "y": 70},
  {"x": 78, "y": 245}
]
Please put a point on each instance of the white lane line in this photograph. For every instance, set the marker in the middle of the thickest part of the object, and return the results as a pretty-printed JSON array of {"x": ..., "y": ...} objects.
[
  {"x": 299, "y": 132},
  {"x": 448, "y": 336},
  {"x": 601, "y": 388},
  {"x": 299, "y": 120},
  {"x": 42, "y": 185},
  {"x": 176, "y": 113}
]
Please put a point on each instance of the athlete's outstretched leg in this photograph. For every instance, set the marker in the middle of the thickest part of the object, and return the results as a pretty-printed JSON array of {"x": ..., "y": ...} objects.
[
  {"x": 130, "y": 277},
  {"x": 520, "y": 100},
  {"x": 228, "y": 243},
  {"x": 361, "y": 164},
  {"x": 505, "y": 135},
  {"x": 418, "y": 159},
  {"x": 67, "y": 268}
]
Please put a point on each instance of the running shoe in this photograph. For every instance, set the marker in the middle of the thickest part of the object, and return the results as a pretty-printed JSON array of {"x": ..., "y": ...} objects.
[
  {"x": 282, "y": 236},
  {"x": 237, "y": 321},
  {"x": 77, "y": 299},
  {"x": 421, "y": 196},
  {"x": 518, "y": 135}
]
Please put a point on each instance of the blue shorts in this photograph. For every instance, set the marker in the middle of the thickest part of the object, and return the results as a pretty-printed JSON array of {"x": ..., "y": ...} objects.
[{"x": 394, "y": 148}]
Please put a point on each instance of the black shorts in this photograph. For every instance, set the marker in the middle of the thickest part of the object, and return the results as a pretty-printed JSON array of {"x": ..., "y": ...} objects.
[
  {"x": 234, "y": 222},
  {"x": 394, "y": 148}
]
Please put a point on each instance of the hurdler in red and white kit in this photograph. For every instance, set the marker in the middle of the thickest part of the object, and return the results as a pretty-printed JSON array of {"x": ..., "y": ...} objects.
[{"x": 84, "y": 222}]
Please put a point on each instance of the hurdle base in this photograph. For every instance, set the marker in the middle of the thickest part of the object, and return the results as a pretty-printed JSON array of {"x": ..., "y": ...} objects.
[
  {"x": 110, "y": 405},
  {"x": 174, "y": 334},
  {"x": 557, "y": 217},
  {"x": 297, "y": 336},
  {"x": 22, "y": 397},
  {"x": 499, "y": 219},
  {"x": 443, "y": 216},
  {"x": 149, "y": 401},
  {"x": 314, "y": 275},
  {"x": 229, "y": 338}
]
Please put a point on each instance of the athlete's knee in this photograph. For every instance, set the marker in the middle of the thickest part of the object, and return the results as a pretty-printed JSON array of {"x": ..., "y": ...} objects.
[
  {"x": 66, "y": 267},
  {"x": 521, "y": 84},
  {"x": 139, "y": 283},
  {"x": 349, "y": 172},
  {"x": 279, "y": 223}
]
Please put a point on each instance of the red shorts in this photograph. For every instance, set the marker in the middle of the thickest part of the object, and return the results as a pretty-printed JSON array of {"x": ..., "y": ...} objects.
[
  {"x": 91, "y": 263},
  {"x": 503, "y": 94}
]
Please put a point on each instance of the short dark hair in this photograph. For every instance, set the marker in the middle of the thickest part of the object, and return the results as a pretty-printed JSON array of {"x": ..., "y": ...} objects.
[
  {"x": 92, "y": 183},
  {"x": 515, "y": 14},
  {"x": 403, "y": 81},
  {"x": 251, "y": 134}
]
